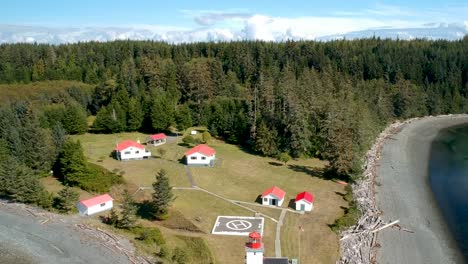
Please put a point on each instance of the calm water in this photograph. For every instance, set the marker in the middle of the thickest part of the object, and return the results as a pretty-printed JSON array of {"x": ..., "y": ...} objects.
[{"x": 448, "y": 174}]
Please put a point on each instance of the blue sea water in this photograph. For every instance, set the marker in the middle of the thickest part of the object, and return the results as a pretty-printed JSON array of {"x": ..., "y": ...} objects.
[{"x": 448, "y": 175}]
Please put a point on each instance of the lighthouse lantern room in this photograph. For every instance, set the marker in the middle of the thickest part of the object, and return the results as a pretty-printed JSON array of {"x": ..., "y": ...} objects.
[{"x": 254, "y": 249}]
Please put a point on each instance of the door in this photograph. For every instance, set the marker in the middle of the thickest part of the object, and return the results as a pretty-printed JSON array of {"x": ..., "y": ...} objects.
[
  {"x": 273, "y": 201},
  {"x": 302, "y": 207}
]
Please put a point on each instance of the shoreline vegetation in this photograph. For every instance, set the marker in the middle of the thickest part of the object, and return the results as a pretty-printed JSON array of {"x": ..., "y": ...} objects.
[{"x": 360, "y": 243}]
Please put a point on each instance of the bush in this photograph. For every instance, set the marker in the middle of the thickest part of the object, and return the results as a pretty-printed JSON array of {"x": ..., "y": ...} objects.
[
  {"x": 149, "y": 235},
  {"x": 188, "y": 140},
  {"x": 351, "y": 214},
  {"x": 284, "y": 157},
  {"x": 180, "y": 256},
  {"x": 99, "y": 180},
  {"x": 164, "y": 252},
  {"x": 206, "y": 137}
]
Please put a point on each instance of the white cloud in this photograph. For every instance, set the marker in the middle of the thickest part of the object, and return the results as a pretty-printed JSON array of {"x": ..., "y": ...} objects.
[{"x": 240, "y": 25}]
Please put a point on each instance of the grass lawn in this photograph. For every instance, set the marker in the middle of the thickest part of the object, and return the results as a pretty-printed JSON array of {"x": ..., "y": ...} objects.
[
  {"x": 53, "y": 185},
  {"x": 249, "y": 175},
  {"x": 238, "y": 175},
  {"x": 98, "y": 147}
]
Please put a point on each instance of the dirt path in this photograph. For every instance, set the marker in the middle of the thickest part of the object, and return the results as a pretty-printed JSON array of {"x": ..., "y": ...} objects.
[
  {"x": 26, "y": 237},
  {"x": 278, "y": 234}
]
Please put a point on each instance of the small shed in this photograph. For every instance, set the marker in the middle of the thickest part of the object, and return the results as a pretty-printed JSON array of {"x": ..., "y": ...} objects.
[
  {"x": 304, "y": 202},
  {"x": 157, "y": 139},
  {"x": 201, "y": 155},
  {"x": 273, "y": 196},
  {"x": 193, "y": 132},
  {"x": 129, "y": 149},
  {"x": 95, "y": 205}
]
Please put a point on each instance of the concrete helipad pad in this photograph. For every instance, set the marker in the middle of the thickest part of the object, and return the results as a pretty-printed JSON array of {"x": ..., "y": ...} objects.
[{"x": 237, "y": 225}]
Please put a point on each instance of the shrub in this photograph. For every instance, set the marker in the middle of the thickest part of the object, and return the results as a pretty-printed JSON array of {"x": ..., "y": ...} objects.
[
  {"x": 284, "y": 157},
  {"x": 164, "y": 252},
  {"x": 180, "y": 256},
  {"x": 149, "y": 235},
  {"x": 206, "y": 137},
  {"x": 188, "y": 140}
]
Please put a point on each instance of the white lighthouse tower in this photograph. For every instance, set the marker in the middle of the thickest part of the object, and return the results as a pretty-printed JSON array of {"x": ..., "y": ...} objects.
[{"x": 254, "y": 249}]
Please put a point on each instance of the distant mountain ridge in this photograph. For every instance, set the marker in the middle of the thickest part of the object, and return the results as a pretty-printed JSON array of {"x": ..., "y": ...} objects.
[
  {"x": 59, "y": 35},
  {"x": 431, "y": 31}
]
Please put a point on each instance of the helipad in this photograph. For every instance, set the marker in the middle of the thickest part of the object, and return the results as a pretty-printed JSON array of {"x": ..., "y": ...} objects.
[{"x": 237, "y": 225}]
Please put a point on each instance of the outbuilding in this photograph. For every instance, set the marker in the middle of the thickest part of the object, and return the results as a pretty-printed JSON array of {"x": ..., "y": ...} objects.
[
  {"x": 156, "y": 139},
  {"x": 304, "y": 202},
  {"x": 273, "y": 196},
  {"x": 201, "y": 155},
  {"x": 129, "y": 149},
  {"x": 95, "y": 205}
]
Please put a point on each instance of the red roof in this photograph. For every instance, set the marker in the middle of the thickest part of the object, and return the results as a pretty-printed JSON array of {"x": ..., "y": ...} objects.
[
  {"x": 97, "y": 200},
  {"x": 275, "y": 191},
  {"x": 305, "y": 196},
  {"x": 129, "y": 143},
  {"x": 203, "y": 149},
  {"x": 158, "y": 136},
  {"x": 255, "y": 235}
]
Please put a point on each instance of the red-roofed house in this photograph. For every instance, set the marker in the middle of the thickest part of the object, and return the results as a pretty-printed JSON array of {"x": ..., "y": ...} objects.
[
  {"x": 95, "y": 205},
  {"x": 129, "y": 149},
  {"x": 201, "y": 155},
  {"x": 157, "y": 139},
  {"x": 304, "y": 202},
  {"x": 273, "y": 196}
]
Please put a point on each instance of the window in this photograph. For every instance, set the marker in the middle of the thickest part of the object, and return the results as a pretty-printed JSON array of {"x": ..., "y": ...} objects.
[
  {"x": 203, "y": 158},
  {"x": 103, "y": 204},
  {"x": 265, "y": 199},
  {"x": 136, "y": 152},
  {"x": 193, "y": 158},
  {"x": 127, "y": 152}
]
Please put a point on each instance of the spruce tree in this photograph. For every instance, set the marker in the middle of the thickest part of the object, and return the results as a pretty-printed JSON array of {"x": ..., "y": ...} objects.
[
  {"x": 162, "y": 196},
  {"x": 66, "y": 200},
  {"x": 128, "y": 219},
  {"x": 72, "y": 162},
  {"x": 134, "y": 115}
]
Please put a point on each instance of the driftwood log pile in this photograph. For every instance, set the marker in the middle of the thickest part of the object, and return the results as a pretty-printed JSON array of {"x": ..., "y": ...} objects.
[{"x": 358, "y": 243}]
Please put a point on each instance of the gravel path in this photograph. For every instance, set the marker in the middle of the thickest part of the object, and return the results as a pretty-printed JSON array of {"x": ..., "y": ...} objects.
[
  {"x": 27, "y": 239},
  {"x": 405, "y": 194}
]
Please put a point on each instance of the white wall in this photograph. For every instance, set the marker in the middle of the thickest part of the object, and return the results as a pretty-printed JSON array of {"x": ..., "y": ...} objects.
[
  {"x": 308, "y": 206},
  {"x": 133, "y": 153},
  {"x": 254, "y": 257},
  {"x": 199, "y": 159},
  {"x": 267, "y": 200},
  {"x": 156, "y": 142},
  {"x": 94, "y": 209}
]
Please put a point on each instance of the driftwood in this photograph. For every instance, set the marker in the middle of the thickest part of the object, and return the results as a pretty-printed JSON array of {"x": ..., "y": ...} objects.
[{"x": 358, "y": 243}]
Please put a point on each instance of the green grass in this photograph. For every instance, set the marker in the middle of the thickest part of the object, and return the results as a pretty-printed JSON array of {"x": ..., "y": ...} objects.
[
  {"x": 98, "y": 148},
  {"x": 197, "y": 250},
  {"x": 241, "y": 176}
]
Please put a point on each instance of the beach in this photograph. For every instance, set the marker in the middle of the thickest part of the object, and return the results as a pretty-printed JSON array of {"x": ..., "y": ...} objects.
[{"x": 403, "y": 192}]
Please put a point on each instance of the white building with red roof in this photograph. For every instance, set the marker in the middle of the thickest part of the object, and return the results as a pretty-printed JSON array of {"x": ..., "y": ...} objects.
[
  {"x": 129, "y": 149},
  {"x": 201, "y": 155},
  {"x": 95, "y": 205},
  {"x": 156, "y": 139},
  {"x": 304, "y": 202},
  {"x": 273, "y": 196}
]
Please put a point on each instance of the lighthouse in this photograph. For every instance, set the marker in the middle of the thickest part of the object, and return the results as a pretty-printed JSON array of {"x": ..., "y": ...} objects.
[{"x": 254, "y": 249}]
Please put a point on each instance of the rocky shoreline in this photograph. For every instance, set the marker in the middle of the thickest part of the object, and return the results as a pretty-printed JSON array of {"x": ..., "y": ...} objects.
[{"x": 360, "y": 243}]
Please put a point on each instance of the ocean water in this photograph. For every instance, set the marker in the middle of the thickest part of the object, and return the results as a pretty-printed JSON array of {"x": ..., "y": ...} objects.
[{"x": 448, "y": 175}]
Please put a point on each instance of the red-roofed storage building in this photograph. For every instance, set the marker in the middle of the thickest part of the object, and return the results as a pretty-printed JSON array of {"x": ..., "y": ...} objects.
[
  {"x": 304, "y": 201},
  {"x": 273, "y": 196},
  {"x": 95, "y": 205}
]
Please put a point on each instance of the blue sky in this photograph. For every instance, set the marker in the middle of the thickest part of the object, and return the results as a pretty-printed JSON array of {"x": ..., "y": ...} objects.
[
  {"x": 177, "y": 13},
  {"x": 59, "y": 21}
]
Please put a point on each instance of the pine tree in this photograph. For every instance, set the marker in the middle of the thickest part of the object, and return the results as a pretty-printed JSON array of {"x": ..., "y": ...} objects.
[
  {"x": 134, "y": 115},
  {"x": 74, "y": 120},
  {"x": 183, "y": 118},
  {"x": 162, "y": 196},
  {"x": 72, "y": 163},
  {"x": 266, "y": 140},
  {"x": 162, "y": 113},
  {"x": 128, "y": 219},
  {"x": 66, "y": 200}
]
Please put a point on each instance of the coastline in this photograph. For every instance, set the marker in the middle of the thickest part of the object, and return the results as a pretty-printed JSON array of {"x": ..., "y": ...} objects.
[{"x": 410, "y": 199}]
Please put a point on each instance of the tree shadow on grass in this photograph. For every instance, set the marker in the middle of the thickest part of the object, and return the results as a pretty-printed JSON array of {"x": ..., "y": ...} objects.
[
  {"x": 274, "y": 163},
  {"x": 145, "y": 210},
  {"x": 326, "y": 173}
]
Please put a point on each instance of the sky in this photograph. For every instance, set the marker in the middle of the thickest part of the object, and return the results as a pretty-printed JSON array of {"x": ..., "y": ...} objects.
[{"x": 201, "y": 20}]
